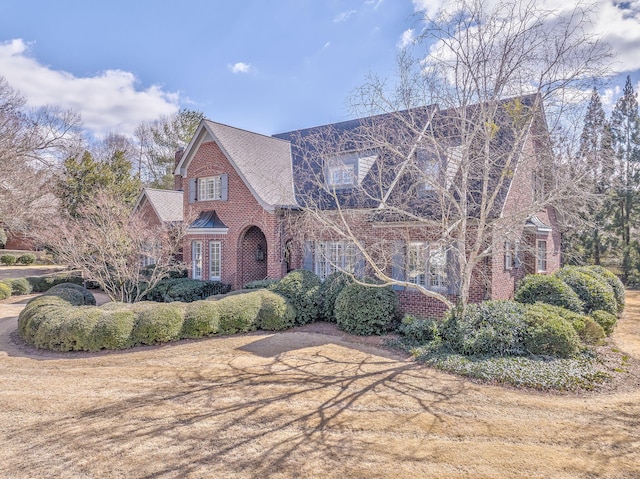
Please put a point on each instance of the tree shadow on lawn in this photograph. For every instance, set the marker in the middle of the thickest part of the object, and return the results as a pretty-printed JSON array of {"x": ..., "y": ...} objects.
[{"x": 278, "y": 416}]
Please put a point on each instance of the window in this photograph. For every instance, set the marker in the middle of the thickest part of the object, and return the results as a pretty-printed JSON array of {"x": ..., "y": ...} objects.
[
  {"x": 349, "y": 169},
  {"x": 150, "y": 252},
  {"x": 342, "y": 175},
  {"x": 332, "y": 256},
  {"x": 215, "y": 260},
  {"x": 508, "y": 255},
  {"x": 196, "y": 259},
  {"x": 430, "y": 165},
  {"x": 516, "y": 254},
  {"x": 541, "y": 259},
  {"x": 538, "y": 185},
  {"x": 210, "y": 188},
  {"x": 427, "y": 266}
]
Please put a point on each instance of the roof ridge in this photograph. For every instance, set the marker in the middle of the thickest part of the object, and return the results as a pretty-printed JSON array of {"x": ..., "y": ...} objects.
[{"x": 270, "y": 137}]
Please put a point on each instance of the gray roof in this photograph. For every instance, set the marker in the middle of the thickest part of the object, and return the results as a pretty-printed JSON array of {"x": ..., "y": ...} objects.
[
  {"x": 263, "y": 162},
  {"x": 208, "y": 219},
  {"x": 166, "y": 203}
]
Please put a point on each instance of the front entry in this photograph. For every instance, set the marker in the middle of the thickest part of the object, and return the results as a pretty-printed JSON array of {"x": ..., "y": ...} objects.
[{"x": 253, "y": 257}]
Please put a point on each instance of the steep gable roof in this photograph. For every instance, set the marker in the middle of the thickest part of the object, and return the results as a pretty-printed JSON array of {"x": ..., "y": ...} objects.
[
  {"x": 263, "y": 162},
  {"x": 167, "y": 204}
]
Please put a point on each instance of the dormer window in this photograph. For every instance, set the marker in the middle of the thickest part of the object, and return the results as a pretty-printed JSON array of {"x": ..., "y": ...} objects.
[
  {"x": 429, "y": 164},
  {"x": 349, "y": 169}
]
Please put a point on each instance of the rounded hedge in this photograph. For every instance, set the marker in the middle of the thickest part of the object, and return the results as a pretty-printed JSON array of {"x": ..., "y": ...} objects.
[
  {"x": 612, "y": 280},
  {"x": 302, "y": 289},
  {"x": 63, "y": 289},
  {"x": 239, "y": 314},
  {"x": 494, "y": 328},
  {"x": 594, "y": 293},
  {"x": 5, "y": 291},
  {"x": 418, "y": 330},
  {"x": 587, "y": 329},
  {"x": 158, "y": 324},
  {"x": 8, "y": 259},
  {"x": 554, "y": 337},
  {"x": 113, "y": 329},
  {"x": 19, "y": 286},
  {"x": 202, "y": 318},
  {"x": 276, "y": 313},
  {"x": 27, "y": 258},
  {"x": 363, "y": 309},
  {"x": 330, "y": 289},
  {"x": 606, "y": 320},
  {"x": 547, "y": 289}
]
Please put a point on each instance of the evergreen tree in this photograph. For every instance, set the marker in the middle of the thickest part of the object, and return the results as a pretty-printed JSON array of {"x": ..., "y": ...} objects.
[{"x": 625, "y": 128}]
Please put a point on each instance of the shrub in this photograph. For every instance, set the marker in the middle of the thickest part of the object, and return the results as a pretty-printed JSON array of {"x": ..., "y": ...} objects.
[
  {"x": 5, "y": 291},
  {"x": 37, "y": 311},
  {"x": 276, "y": 313},
  {"x": 554, "y": 337},
  {"x": 201, "y": 318},
  {"x": 159, "y": 323},
  {"x": 594, "y": 293},
  {"x": 239, "y": 314},
  {"x": 73, "y": 293},
  {"x": 8, "y": 259},
  {"x": 19, "y": 286},
  {"x": 491, "y": 327},
  {"x": 72, "y": 330},
  {"x": 261, "y": 284},
  {"x": 548, "y": 289},
  {"x": 606, "y": 320},
  {"x": 329, "y": 292},
  {"x": 113, "y": 329},
  {"x": 418, "y": 330},
  {"x": 612, "y": 280},
  {"x": 302, "y": 289},
  {"x": 363, "y": 310},
  {"x": 185, "y": 290},
  {"x": 27, "y": 258},
  {"x": 588, "y": 331},
  {"x": 40, "y": 284}
]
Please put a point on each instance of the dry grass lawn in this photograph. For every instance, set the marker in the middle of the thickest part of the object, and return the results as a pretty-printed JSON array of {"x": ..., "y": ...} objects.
[{"x": 297, "y": 404}]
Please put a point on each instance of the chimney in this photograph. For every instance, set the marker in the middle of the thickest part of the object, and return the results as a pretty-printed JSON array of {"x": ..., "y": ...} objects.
[{"x": 177, "y": 178}]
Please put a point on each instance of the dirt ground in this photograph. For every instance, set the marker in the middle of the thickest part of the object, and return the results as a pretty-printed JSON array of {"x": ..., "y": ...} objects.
[{"x": 305, "y": 403}]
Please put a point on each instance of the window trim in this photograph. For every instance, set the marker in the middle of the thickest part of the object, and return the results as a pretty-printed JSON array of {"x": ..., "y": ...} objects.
[
  {"x": 218, "y": 257},
  {"x": 508, "y": 256},
  {"x": 196, "y": 260},
  {"x": 332, "y": 256},
  {"x": 430, "y": 278},
  {"x": 541, "y": 260},
  {"x": 203, "y": 188}
]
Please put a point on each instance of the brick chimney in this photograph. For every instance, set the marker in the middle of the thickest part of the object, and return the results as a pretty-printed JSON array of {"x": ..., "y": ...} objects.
[{"x": 177, "y": 179}]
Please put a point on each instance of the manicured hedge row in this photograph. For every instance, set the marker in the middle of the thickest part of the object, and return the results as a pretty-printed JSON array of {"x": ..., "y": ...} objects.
[
  {"x": 302, "y": 289},
  {"x": 10, "y": 260},
  {"x": 58, "y": 321},
  {"x": 185, "y": 290}
]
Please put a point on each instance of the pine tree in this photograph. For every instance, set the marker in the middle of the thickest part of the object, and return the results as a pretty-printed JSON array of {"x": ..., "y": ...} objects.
[{"x": 625, "y": 129}]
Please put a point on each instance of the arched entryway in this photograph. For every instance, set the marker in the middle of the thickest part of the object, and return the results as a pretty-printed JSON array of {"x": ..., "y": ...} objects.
[{"x": 253, "y": 257}]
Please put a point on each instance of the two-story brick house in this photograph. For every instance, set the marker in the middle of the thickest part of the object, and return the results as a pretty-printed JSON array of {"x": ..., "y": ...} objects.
[{"x": 244, "y": 189}]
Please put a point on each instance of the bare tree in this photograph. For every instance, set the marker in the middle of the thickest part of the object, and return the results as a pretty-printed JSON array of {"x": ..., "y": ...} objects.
[
  {"x": 108, "y": 245},
  {"x": 437, "y": 176}
]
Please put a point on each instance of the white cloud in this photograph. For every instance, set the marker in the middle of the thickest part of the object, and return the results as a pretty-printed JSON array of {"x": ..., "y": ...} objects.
[
  {"x": 343, "y": 16},
  {"x": 240, "y": 67},
  {"x": 407, "y": 38},
  {"x": 326, "y": 45},
  {"x": 373, "y": 3},
  {"x": 107, "y": 101}
]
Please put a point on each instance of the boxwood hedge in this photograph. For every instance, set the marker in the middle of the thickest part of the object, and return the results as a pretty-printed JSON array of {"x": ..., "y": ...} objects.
[
  {"x": 302, "y": 289},
  {"x": 362, "y": 309},
  {"x": 594, "y": 293},
  {"x": 548, "y": 289},
  {"x": 330, "y": 289}
]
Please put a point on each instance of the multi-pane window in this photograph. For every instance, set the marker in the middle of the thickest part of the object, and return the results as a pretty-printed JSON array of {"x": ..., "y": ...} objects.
[
  {"x": 196, "y": 259},
  {"x": 508, "y": 255},
  {"x": 331, "y": 256},
  {"x": 541, "y": 257},
  {"x": 427, "y": 266},
  {"x": 215, "y": 258},
  {"x": 430, "y": 166},
  {"x": 348, "y": 169},
  {"x": 210, "y": 188}
]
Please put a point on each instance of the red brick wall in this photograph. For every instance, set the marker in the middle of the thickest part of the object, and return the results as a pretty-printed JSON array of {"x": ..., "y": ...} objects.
[
  {"x": 20, "y": 241},
  {"x": 239, "y": 213}
]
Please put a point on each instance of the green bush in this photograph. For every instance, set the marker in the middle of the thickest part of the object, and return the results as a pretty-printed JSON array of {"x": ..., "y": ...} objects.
[
  {"x": 72, "y": 330},
  {"x": 276, "y": 313},
  {"x": 547, "y": 289},
  {"x": 19, "y": 286},
  {"x": 418, "y": 330},
  {"x": 113, "y": 329},
  {"x": 302, "y": 289},
  {"x": 329, "y": 292},
  {"x": 612, "y": 280},
  {"x": 64, "y": 290},
  {"x": 159, "y": 323},
  {"x": 495, "y": 328},
  {"x": 594, "y": 293},
  {"x": 261, "y": 284},
  {"x": 202, "y": 318},
  {"x": 5, "y": 291},
  {"x": 364, "y": 310},
  {"x": 606, "y": 320},
  {"x": 588, "y": 331},
  {"x": 37, "y": 311},
  {"x": 185, "y": 290},
  {"x": 8, "y": 259},
  {"x": 40, "y": 284},
  {"x": 239, "y": 314},
  {"x": 27, "y": 258},
  {"x": 554, "y": 337}
]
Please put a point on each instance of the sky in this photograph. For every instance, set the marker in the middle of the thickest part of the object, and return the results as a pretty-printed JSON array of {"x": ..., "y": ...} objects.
[{"x": 263, "y": 65}]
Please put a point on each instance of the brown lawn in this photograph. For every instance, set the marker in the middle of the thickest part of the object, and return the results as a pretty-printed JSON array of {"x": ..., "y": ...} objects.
[{"x": 297, "y": 404}]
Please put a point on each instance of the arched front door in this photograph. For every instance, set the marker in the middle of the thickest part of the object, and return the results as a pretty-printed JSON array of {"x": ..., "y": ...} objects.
[{"x": 253, "y": 255}]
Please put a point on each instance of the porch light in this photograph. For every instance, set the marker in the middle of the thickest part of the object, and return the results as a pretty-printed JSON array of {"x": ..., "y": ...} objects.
[{"x": 259, "y": 253}]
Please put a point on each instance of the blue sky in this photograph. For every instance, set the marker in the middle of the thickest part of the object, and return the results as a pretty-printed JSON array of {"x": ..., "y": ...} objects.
[{"x": 264, "y": 65}]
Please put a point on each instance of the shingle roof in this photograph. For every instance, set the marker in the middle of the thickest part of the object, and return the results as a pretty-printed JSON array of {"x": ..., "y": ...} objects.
[{"x": 166, "y": 203}]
